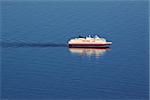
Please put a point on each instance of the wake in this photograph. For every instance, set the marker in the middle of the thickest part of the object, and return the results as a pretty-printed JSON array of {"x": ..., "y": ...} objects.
[{"x": 30, "y": 44}]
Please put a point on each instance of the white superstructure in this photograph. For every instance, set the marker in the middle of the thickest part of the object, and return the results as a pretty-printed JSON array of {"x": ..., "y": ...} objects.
[{"x": 89, "y": 40}]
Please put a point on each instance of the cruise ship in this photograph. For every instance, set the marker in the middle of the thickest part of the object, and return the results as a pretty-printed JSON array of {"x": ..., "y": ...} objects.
[{"x": 89, "y": 42}]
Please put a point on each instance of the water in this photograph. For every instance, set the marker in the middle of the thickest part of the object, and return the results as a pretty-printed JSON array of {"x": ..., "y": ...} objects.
[{"x": 37, "y": 64}]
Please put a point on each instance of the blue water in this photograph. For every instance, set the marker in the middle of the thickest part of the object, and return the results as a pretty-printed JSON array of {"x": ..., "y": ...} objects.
[{"x": 37, "y": 64}]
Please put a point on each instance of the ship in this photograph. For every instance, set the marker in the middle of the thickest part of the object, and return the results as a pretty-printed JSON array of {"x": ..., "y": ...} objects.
[{"x": 88, "y": 42}]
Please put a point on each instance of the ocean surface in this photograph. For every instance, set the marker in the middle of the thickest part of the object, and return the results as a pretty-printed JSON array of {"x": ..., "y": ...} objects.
[{"x": 36, "y": 63}]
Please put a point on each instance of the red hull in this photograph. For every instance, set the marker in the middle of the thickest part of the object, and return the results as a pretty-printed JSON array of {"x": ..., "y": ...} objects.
[{"x": 88, "y": 45}]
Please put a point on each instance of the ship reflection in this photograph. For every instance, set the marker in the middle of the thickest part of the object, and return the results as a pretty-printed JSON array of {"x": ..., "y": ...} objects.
[{"x": 96, "y": 52}]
